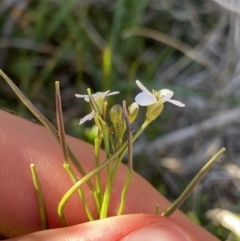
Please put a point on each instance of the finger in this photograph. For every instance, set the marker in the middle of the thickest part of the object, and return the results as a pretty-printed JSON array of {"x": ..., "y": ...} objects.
[
  {"x": 126, "y": 228},
  {"x": 23, "y": 143}
]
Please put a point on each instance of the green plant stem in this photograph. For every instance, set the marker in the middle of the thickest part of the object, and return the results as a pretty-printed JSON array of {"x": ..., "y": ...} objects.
[
  {"x": 107, "y": 192},
  {"x": 124, "y": 192},
  {"x": 104, "y": 111},
  {"x": 92, "y": 102},
  {"x": 46, "y": 123},
  {"x": 40, "y": 198},
  {"x": 72, "y": 175},
  {"x": 130, "y": 137},
  {"x": 99, "y": 194},
  {"x": 130, "y": 162},
  {"x": 106, "y": 195},
  {"x": 135, "y": 136},
  {"x": 176, "y": 204},
  {"x": 60, "y": 124}
]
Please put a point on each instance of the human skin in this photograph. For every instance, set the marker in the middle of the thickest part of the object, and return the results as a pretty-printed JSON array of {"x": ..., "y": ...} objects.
[{"x": 23, "y": 143}]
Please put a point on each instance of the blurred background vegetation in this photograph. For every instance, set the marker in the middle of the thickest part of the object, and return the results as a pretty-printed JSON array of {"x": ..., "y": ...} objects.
[{"x": 190, "y": 47}]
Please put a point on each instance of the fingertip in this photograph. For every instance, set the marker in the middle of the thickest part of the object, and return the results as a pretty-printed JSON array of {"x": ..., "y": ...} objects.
[{"x": 158, "y": 232}]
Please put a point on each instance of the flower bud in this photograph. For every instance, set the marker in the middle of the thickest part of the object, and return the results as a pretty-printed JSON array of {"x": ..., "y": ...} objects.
[
  {"x": 116, "y": 114},
  {"x": 133, "y": 111}
]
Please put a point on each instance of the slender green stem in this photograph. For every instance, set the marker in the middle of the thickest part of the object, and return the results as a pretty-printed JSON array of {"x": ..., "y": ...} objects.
[
  {"x": 104, "y": 112},
  {"x": 138, "y": 133},
  {"x": 176, "y": 204},
  {"x": 92, "y": 102},
  {"x": 46, "y": 123},
  {"x": 40, "y": 198},
  {"x": 135, "y": 136},
  {"x": 99, "y": 194},
  {"x": 107, "y": 192},
  {"x": 97, "y": 200},
  {"x": 72, "y": 175},
  {"x": 130, "y": 162},
  {"x": 130, "y": 137},
  {"x": 107, "y": 195},
  {"x": 106, "y": 141},
  {"x": 60, "y": 123},
  {"x": 124, "y": 192},
  {"x": 97, "y": 122}
]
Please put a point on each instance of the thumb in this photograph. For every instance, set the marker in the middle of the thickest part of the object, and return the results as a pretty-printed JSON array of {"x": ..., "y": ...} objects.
[{"x": 123, "y": 228}]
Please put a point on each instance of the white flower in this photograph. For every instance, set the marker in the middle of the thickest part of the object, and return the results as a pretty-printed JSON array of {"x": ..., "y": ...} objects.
[
  {"x": 147, "y": 98},
  {"x": 87, "y": 117},
  {"x": 99, "y": 98},
  {"x": 98, "y": 95}
]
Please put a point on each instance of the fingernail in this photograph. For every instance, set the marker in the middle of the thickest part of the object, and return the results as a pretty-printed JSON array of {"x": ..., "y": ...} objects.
[{"x": 158, "y": 232}]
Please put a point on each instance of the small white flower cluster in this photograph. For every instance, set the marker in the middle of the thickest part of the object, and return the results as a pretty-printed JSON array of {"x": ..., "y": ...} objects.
[
  {"x": 98, "y": 97},
  {"x": 145, "y": 98}
]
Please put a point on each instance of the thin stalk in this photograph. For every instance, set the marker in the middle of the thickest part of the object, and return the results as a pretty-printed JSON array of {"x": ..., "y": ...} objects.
[
  {"x": 135, "y": 136},
  {"x": 177, "y": 203},
  {"x": 92, "y": 101},
  {"x": 72, "y": 175},
  {"x": 60, "y": 123},
  {"x": 130, "y": 162},
  {"x": 104, "y": 112},
  {"x": 106, "y": 195},
  {"x": 97, "y": 145},
  {"x": 124, "y": 192},
  {"x": 40, "y": 198},
  {"x": 130, "y": 137},
  {"x": 97, "y": 200},
  {"x": 46, "y": 123},
  {"x": 107, "y": 192}
]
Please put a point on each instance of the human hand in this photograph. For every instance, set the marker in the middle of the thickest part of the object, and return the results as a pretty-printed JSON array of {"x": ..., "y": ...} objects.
[{"x": 23, "y": 143}]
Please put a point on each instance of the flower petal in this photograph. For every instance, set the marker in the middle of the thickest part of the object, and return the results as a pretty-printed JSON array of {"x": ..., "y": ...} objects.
[
  {"x": 87, "y": 117},
  {"x": 167, "y": 94},
  {"x": 86, "y": 97},
  {"x": 113, "y": 93},
  {"x": 80, "y": 96},
  {"x": 142, "y": 87},
  {"x": 176, "y": 102},
  {"x": 99, "y": 95},
  {"x": 145, "y": 99}
]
